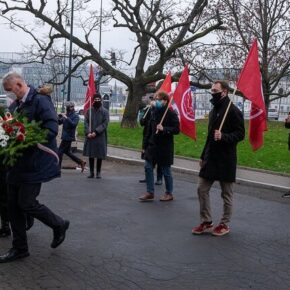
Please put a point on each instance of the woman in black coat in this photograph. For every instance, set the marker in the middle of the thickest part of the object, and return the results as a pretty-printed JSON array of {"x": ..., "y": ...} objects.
[{"x": 159, "y": 146}]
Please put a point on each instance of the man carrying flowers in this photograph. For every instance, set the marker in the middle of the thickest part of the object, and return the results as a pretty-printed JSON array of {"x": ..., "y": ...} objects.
[{"x": 37, "y": 164}]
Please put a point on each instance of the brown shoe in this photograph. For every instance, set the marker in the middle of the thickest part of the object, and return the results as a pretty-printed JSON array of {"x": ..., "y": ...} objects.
[
  {"x": 83, "y": 164},
  {"x": 166, "y": 197},
  {"x": 147, "y": 197}
]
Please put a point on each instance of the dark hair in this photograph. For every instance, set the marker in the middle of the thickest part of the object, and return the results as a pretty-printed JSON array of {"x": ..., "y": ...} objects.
[
  {"x": 97, "y": 95},
  {"x": 224, "y": 84},
  {"x": 162, "y": 95}
]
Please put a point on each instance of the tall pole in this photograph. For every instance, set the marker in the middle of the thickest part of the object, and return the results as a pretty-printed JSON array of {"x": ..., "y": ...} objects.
[
  {"x": 101, "y": 20},
  {"x": 70, "y": 51},
  {"x": 64, "y": 72}
]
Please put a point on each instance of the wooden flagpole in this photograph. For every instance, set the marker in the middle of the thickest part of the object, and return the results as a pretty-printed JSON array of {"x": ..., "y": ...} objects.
[
  {"x": 226, "y": 112},
  {"x": 90, "y": 115},
  {"x": 169, "y": 103}
]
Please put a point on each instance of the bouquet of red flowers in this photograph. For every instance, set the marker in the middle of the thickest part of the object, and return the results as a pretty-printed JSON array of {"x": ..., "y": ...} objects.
[{"x": 16, "y": 135}]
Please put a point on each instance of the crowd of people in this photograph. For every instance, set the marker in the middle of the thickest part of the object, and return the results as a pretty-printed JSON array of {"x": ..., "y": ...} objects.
[{"x": 21, "y": 183}]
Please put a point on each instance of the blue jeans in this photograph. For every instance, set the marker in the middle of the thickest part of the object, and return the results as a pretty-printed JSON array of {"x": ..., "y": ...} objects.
[{"x": 149, "y": 174}]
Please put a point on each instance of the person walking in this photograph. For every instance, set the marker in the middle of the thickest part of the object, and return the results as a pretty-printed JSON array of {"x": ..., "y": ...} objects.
[
  {"x": 69, "y": 122},
  {"x": 34, "y": 167},
  {"x": 95, "y": 146},
  {"x": 219, "y": 159},
  {"x": 159, "y": 146}
]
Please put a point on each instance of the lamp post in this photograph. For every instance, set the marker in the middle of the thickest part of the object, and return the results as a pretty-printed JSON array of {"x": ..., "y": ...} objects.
[{"x": 70, "y": 51}]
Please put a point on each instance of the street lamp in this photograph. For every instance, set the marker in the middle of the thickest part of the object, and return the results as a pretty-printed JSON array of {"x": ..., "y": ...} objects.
[{"x": 70, "y": 51}]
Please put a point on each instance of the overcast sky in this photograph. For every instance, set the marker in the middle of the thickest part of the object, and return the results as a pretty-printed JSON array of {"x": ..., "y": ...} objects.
[{"x": 13, "y": 41}]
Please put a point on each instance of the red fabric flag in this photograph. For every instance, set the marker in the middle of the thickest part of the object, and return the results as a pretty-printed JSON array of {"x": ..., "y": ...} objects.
[
  {"x": 91, "y": 90},
  {"x": 183, "y": 103},
  {"x": 166, "y": 85},
  {"x": 250, "y": 84}
]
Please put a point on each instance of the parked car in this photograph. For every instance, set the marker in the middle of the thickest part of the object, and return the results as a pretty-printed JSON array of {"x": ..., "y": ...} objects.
[{"x": 273, "y": 114}]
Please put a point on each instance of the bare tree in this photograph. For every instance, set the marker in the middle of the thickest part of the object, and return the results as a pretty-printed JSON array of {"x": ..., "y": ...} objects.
[
  {"x": 147, "y": 21},
  {"x": 244, "y": 20}
]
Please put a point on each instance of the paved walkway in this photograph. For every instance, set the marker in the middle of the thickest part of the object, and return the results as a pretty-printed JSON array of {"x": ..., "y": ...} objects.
[
  {"x": 260, "y": 178},
  {"x": 117, "y": 243}
]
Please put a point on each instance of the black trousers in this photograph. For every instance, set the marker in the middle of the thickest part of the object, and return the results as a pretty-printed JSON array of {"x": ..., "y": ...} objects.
[
  {"x": 3, "y": 199},
  {"x": 22, "y": 201},
  {"x": 98, "y": 164},
  {"x": 65, "y": 148}
]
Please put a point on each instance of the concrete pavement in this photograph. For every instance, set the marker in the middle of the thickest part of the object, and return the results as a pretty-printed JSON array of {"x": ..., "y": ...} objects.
[{"x": 115, "y": 242}]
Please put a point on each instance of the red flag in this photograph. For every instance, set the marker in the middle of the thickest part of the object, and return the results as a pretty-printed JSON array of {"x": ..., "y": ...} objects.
[
  {"x": 183, "y": 103},
  {"x": 250, "y": 84},
  {"x": 166, "y": 85},
  {"x": 91, "y": 90}
]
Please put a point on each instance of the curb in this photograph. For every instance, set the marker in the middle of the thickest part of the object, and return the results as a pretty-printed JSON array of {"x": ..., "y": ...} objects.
[{"x": 240, "y": 181}]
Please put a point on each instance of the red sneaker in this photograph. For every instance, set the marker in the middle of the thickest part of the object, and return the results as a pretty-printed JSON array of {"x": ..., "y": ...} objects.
[
  {"x": 221, "y": 230},
  {"x": 205, "y": 227}
]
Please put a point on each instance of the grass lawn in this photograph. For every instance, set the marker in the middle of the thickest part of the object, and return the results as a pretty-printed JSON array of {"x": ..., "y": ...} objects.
[{"x": 274, "y": 155}]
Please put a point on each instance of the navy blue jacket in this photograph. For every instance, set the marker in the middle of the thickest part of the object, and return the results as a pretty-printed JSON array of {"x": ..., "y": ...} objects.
[
  {"x": 69, "y": 126},
  {"x": 35, "y": 165}
]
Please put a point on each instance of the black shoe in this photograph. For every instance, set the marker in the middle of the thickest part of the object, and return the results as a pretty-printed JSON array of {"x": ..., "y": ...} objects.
[
  {"x": 158, "y": 182},
  {"x": 59, "y": 235},
  {"x": 98, "y": 175},
  {"x": 13, "y": 254},
  {"x": 91, "y": 175},
  {"x": 5, "y": 232},
  {"x": 142, "y": 180},
  {"x": 29, "y": 222},
  {"x": 286, "y": 195}
]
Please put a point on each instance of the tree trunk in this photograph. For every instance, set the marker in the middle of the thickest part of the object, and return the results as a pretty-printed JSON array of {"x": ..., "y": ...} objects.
[{"x": 132, "y": 107}]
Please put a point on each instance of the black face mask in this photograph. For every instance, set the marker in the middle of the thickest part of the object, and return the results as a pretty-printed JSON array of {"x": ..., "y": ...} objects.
[
  {"x": 216, "y": 98},
  {"x": 69, "y": 109},
  {"x": 97, "y": 104}
]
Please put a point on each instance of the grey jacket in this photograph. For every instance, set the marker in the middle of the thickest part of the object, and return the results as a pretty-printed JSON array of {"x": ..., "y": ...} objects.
[{"x": 96, "y": 147}]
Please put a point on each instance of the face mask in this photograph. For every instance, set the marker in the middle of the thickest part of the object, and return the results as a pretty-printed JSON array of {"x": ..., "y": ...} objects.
[
  {"x": 97, "y": 104},
  {"x": 158, "y": 104},
  {"x": 216, "y": 98}
]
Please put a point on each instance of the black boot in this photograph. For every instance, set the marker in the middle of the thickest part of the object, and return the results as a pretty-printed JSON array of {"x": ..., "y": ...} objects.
[
  {"x": 91, "y": 162},
  {"x": 5, "y": 229}
]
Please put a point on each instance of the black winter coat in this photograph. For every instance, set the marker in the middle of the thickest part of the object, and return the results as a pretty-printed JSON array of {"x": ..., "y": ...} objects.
[
  {"x": 159, "y": 148},
  {"x": 69, "y": 126},
  {"x": 36, "y": 165},
  {"x": 219, "y": 158}
]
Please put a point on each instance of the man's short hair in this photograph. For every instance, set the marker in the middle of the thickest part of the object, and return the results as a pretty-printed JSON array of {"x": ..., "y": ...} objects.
[
  {"x": 97, "y": 95},
  {"x": 10, "y": 76},
  {"x": 224, "y": 84}
]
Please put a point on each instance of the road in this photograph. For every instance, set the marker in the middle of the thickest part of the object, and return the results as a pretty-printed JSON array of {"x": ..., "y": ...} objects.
[{"x": 116, "y": 242}]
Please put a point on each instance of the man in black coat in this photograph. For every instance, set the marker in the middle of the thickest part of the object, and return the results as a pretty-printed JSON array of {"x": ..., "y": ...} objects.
[
  {"x": 38, "y": 164},
  {"x": 219, "y": 159},
  {"x": 159, "y": 146}
]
